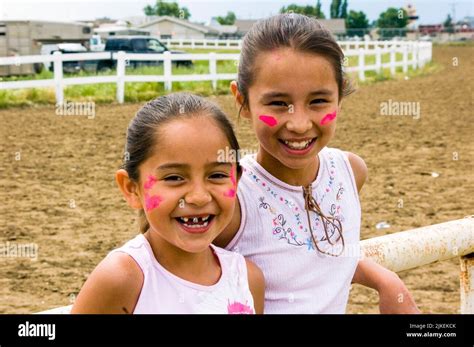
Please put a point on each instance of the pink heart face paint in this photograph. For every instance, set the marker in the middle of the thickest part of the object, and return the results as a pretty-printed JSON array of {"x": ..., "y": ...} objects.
[
  {"x": 151, "y": 180},
  {"x": 268, "y": 120},
  {"x": 328, "y": 118},
  {"x": 151, "y": 201},
  {"x": 232, "y": 192}
]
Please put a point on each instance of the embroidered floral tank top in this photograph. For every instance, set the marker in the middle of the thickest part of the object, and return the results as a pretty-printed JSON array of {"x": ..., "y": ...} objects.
[{"x": 306, "y": 268}]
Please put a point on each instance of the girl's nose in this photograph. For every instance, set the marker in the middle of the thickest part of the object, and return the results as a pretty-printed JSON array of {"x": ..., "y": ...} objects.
[
  {"x": 299, "y": 123},
  {"x": 198, "y": 196}
]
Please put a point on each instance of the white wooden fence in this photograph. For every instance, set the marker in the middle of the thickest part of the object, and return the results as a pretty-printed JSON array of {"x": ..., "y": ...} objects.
[
  {"x": 420, "y": 52},
  {"x": 414, "y": 248}
]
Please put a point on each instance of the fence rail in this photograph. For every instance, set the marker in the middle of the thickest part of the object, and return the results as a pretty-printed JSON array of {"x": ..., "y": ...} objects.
[
  {"x": 414, "y": 248},
  {"x": 421, "y": 53}
]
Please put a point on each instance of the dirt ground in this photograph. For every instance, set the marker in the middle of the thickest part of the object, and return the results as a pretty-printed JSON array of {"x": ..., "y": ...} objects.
[{"x": 61, "y": 193}]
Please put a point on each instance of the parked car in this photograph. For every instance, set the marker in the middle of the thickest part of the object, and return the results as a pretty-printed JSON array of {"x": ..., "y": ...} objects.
[{"x": 138, "y": 44}]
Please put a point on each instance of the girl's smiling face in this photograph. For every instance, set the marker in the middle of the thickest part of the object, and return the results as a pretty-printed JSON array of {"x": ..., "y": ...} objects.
[
  {"x": 184, "y": 190},
  {"x": 292, "y": 103}
]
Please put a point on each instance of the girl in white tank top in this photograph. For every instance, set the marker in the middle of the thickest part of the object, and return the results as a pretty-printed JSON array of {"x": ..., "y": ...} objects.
[
  {"x": 299, "y": 205},
  {"x": 185, "y": 196}
]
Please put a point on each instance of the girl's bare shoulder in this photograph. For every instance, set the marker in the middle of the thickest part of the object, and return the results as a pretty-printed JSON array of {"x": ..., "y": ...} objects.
[
  {"x": 113, "y": 286},
  {"x": 359, "y": 168}
]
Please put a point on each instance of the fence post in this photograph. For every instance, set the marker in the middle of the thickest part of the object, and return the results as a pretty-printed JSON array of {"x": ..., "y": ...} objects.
[
  {"x": 121, "y": 76},
  {"x": 361, "y": 64},
  {"x": 167, "y": 70},
  {"x": 467, "y": 284},
  {"x": 378, "y": 59},
  {"x": 414, "y": 55},
  {"x": 192, "y": 43},
  {"x": 392, "y": 60},
  {"x": 213, "y": 69},
  {"x": 58, "y": 77},
  {"x": 405, "y": 58}
]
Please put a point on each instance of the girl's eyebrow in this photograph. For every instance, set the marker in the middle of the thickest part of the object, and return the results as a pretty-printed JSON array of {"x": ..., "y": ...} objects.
[
  {"x": 322, "y": 92},
  {"x": 173, "y": 166},
  {"x": 271, "y": 95},
  {"x": 184, "y": 166}
]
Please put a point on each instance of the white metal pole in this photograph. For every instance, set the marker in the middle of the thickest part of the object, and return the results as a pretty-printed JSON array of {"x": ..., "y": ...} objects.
[
  {"x": 467, "y": 284},
  {"x": 417, "y": 247}
]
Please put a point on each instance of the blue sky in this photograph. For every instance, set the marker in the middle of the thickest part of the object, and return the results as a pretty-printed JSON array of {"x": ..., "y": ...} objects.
[{"x": 430, "y": 11}]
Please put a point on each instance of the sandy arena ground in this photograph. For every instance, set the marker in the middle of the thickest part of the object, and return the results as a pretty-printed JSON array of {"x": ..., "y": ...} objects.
[{"x": 61, "y": 193}]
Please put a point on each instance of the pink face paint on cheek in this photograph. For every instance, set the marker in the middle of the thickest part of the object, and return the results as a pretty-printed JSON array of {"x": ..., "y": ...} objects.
[
  {"x": 152, "y": 202},
  {"x": 268, "y": 120},
  {"x": 150, "y": 182},
  {"x": 231, "y": 193},
  {"x": 328, "y": 118}
]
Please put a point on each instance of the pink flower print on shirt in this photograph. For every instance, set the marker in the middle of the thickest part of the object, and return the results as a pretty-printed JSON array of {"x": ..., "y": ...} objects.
[{"x": 239, "y": 308}]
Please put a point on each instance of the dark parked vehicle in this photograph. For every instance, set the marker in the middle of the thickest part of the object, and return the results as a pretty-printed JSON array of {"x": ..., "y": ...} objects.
[{"x": 138, "y": 44}]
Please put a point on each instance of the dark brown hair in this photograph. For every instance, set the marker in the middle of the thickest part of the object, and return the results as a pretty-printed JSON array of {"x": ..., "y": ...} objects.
[
  {"x": 302, "y": 33},
  {"x": 142, "y": 131}
]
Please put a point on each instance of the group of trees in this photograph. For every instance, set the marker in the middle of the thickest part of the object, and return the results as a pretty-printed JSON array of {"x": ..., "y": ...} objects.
[
  {"x": 357, "y": 22},
  {"x": 162, "y": 8},
  {"x": 392, "y": 21},
  {"x": 307, "y": 10}
]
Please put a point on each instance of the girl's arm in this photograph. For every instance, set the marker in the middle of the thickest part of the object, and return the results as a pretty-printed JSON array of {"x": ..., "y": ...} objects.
[
  {"x": 394, "y": 295},
  {"x": 113, "y": 287},
  {"x": 256, "y": 285}
]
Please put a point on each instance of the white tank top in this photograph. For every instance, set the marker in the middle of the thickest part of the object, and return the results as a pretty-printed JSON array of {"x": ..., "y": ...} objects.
[
  {"x": 164, "y": 292},
  {"x": 274, "y": 233}
]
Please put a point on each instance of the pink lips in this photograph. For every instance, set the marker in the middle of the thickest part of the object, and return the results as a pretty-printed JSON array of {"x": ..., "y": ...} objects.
[
  {"x": 328, "y": 118},
  {"x": 268, "y": 120}
]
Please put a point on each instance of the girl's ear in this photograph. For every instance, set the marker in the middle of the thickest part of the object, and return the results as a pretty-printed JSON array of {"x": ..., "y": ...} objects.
[
  {"x": 239, "y": 99},
  {"x": 129, "y": 189}
]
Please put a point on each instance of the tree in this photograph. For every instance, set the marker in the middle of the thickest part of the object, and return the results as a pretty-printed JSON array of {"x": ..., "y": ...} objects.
[
  {"x": 393, "y": 22},
  {"x": 343, "y": 13},
  {"x": 356, "y": 23},
  {"x": 318, "y": 13},
  {"x": 338, "y": 9},
  {"x": 162, "y": 8},
  {"x": 229, "y": 19},
  {"x": 306, "y": 10},
  {"x": 448, "y": 24}
]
